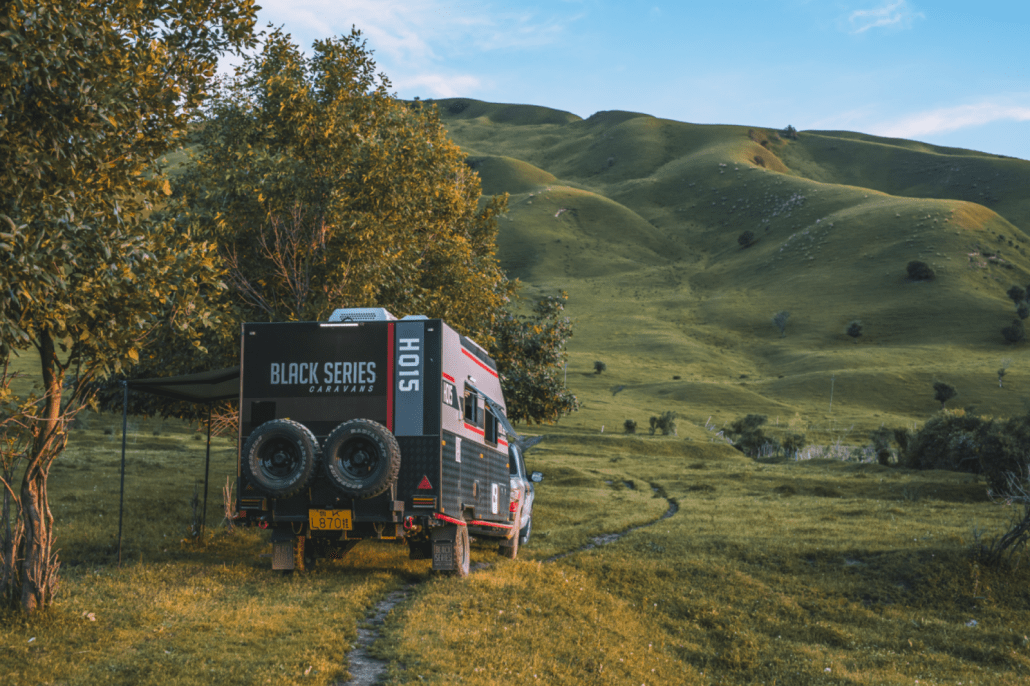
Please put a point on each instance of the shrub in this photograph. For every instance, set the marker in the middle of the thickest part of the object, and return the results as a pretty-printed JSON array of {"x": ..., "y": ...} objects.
[
  {"x": 599, "y": 367},
  {"x": 919, "y": 271},
  {"x": 746, "y": 239},
  {"x": 1023, "y": 310},
  {"x": 665, "y": 422},
  {"x": 881, "y": 439},
  {"x": 1015, "y": 332},
  {"x": 1001, "y": 549},
  {"x": 959, "y": 442},
  {"x": 780, "y": 320},
  {"x": 748, "y": 436},
  {"x": 943, "y": 392},
  {"x": 1017, "y": 294},
  {"x": 790, "y": 132},
  {"x": 854, "y": 329},
  {"x": 630, "y": 426},
  {"x": 793, "y": 443}
]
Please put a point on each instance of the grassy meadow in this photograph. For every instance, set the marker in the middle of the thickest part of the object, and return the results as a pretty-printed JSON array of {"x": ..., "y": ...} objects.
[{"x": 830, "y": 569}]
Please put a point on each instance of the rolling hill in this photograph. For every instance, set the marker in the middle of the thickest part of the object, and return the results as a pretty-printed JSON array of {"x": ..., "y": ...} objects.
[{"x": 638, "y": 219}]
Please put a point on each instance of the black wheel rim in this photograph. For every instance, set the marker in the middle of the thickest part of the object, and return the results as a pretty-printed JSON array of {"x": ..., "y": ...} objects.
[
  {"x": 358, "y": 458},
  {"x": 279, "y": 459}
]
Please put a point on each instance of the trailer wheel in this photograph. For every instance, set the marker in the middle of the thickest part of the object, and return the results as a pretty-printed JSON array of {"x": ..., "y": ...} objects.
[
  {"x": 510, "y": 548},
  {"x": 461, "y": 553},
  {"x": 362, "y": 458},
  {"x": 279, "y": 457}
]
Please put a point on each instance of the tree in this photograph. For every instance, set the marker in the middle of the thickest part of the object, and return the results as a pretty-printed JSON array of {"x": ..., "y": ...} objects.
[
  {"x": 746, "y": 239},
  {"x": 1016, "y": 294},
  {"x": 530, "y": 354},
  {"x": 323, "y": 190},
  {"x": 665, "y": 422},
  {"x": 599, "y": 367},
  {"x": 854, "y": 329},
  {"x": 780, "y": 320},
  {"x": 943, "y": 392},
  {"x": 90, "y": 98},
  {"x": 1015, "y": 332},
  {"x": 919, "y": 271}
]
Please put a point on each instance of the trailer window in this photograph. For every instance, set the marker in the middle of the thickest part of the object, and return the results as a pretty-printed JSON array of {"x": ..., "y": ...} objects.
[
  {"x": 472, "y": 413},
  {"x": 490, "y": 430}
]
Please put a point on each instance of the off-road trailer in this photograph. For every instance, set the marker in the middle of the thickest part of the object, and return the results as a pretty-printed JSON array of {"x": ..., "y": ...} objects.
[{"x": 369, "y": 427}]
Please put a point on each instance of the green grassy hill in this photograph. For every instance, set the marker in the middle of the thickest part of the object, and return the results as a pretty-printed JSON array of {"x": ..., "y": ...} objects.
[{"x": 638, "y": 218}]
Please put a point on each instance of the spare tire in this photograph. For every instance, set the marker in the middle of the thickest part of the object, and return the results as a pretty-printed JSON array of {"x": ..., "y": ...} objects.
[
  {"x": 362, "y": 458},
  {"x": 279, "y": 457}
]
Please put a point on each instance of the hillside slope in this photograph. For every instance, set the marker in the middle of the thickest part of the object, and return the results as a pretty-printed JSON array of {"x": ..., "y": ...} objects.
[{"x": 638, "y": 218}]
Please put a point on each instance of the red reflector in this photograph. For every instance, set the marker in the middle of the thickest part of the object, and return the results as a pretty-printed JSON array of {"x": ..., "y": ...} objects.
[
  {"x": 424, "y": 484},
  {"x": 514, "y": 506}
]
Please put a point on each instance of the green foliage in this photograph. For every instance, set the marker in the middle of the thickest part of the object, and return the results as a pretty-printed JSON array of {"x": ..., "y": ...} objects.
[
  {"x": 919, "y": 271},
  {"x": 956, "y": 441},
  {"x": 1023, "y": 310},
  {"x": 881, "y": 439},
  {"x": 530, "y": 353},
  {"x": 91, "y": 97},
  {"x": 780, "y": 321},
  {"x": 1014, "y": 332},
  {"x": 748, "y": 436},
  {"x": 1017, "y": 294},
  {"x": 323, "y": 191},
  {"x": 665, "y": 422},
  {"x": 790, "y": 132},
  {"x": 943, "y": 392},
  {"x": 793, "y": 443},
  {"x": 854, "y": 329},
  {"x": 599, "y": 367},
  {"x": 630, "y": 426},
  {"x": 746, "y": 239}
]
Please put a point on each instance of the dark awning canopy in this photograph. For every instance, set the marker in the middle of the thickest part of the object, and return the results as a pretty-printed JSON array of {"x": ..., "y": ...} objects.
[{"x": 204, "y": 387}]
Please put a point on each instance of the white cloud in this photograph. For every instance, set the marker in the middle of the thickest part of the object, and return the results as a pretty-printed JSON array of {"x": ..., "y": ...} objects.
[
  {"x": 893, "y": 14},
  {"x": 951, "y": 119},
  {"x": 439, "y": 85}
]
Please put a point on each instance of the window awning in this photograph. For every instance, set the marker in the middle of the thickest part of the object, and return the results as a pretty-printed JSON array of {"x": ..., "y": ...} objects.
[{"x": 203, "y": 387}]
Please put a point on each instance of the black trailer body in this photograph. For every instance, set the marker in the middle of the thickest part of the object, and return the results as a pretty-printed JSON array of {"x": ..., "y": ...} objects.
[{"x": 371, "y": 429}]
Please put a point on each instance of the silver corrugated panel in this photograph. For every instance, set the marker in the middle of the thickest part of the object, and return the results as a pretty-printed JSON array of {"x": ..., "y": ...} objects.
[{"x": 361, "y": 314}]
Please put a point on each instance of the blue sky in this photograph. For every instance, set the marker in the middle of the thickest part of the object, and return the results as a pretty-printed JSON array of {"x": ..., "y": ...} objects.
[{"x": 946, "y": 72}]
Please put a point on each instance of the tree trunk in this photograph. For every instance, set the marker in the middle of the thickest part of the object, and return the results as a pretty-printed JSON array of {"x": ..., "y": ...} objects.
[
  {"x": 40, "y": 566},
  {"x": 10, "y": 544}
]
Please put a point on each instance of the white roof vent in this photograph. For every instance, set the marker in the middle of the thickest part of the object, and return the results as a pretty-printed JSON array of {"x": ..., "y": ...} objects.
[
  {"x": 361, "y": 314},
  {"x": 413, "y": 317}
]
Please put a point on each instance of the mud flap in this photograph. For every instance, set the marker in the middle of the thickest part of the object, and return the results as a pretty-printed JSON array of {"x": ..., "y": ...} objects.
[
  {"x": 282, "y": 550},
  {"x": 444, "y": 539}
]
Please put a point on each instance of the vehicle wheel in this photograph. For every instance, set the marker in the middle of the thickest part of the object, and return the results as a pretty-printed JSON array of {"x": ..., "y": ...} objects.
[
  {"x": 510, "y": 547},
  {"x": 461, "y": 552},
  {"x": 279, "y": 457},
  {"x": 362, "y": 458},
  {"x": 525, "y": 531}
]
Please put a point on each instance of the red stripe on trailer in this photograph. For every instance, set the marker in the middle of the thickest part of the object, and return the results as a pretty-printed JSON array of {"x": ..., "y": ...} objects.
[
  {"x": 389, "y": 376},
  {"x": 449, "y": 520},
  {"x": 448, "y": 377},
  {"x": 506, "y": 527},
  {"x": 474, "y": 429},
  {"x": 479, "y": 362}
]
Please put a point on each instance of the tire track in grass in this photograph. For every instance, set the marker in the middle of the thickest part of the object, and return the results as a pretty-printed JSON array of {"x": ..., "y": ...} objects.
[{"x": 367, "y": 670}]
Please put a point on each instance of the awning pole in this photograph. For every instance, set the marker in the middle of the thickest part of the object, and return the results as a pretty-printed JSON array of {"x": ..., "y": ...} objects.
[
  {"x": 121, "y": 495},
  {"x": 207, "y": 468}
]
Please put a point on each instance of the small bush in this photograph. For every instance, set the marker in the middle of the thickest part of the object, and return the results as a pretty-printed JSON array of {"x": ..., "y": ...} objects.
[
  {"x": 919, "y": 271},
  {"x": 943, "y": 392},
  {"x": 1000, "y": 549},
  {"x": 780, "y": 320},
  {"x": 881, "y": 439},
  {"x": 630, "y": 426},
  {"x": 746, "y": 239},
  {"x": 1015, "y": 332},
  {"x": 599, "y": 367},
  {"x": 854, "y": 329},
  {"x": 1017, "y": 294},
  {"x": 665, "y": 422},
  {"x": 748, "y": 436},
  {"x": 790, "y": 132},
  {"x": 793, "y": 444},
  {"x": 1023, "y": 310}
]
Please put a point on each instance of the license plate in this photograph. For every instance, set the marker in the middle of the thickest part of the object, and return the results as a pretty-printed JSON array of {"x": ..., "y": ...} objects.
[{"x": 329, "y": 520}]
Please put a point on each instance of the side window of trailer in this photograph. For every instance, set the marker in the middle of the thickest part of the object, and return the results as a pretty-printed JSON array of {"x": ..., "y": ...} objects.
[
  {"x": 490, "y": 430},
  {"x": 473, "y": 415}
]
